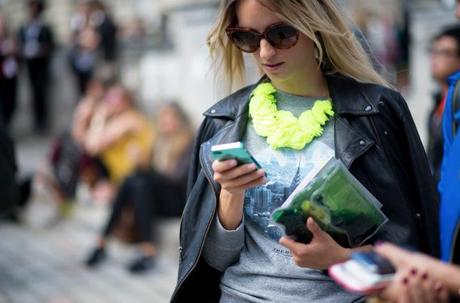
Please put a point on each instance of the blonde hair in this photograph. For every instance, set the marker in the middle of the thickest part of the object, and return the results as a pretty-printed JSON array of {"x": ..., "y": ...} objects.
[
  {"x": 169, "y": 148},
  {"x": 320, "y": 20}
]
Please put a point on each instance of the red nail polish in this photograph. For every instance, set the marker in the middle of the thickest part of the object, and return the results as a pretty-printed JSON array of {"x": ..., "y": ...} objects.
[{"x": 413, "y": 271}]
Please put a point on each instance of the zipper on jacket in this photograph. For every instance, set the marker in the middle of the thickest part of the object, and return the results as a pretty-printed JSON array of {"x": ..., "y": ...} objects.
[
  {"x": 206, "y": 233},
  {"x": 454, "y": 243}
]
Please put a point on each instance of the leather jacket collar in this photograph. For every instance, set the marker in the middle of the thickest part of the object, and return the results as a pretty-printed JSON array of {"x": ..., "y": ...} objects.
[
  {"x": 342, "y": 90},
  {"x": 350, "y": 143}
]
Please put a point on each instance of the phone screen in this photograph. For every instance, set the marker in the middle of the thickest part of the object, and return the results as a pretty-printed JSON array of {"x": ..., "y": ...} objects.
[
  {"x": 373, "y": 262},
  {"x": 364, "y": 273}
]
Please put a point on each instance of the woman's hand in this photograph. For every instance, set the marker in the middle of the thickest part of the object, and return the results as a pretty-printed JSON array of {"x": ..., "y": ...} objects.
[
  {"x": 320, "y": 253},
  {"x": 414, "y": 287},
  {"x": 415, "y": 280},
  {"x": 234, "y": 180}
]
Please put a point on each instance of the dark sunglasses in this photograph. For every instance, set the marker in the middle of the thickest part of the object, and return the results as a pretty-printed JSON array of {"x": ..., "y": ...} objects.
[{"x": 279, "y": 35}]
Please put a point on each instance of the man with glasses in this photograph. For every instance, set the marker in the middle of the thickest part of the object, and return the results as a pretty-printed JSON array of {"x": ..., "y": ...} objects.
[{"x": 444, "y": 61}]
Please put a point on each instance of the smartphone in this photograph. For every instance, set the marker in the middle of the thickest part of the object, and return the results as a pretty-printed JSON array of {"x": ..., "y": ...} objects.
[
  {"x": 374, "y": 262},
  {"x": 364, "y": 273},
  {"x": 234, "y": 150}
]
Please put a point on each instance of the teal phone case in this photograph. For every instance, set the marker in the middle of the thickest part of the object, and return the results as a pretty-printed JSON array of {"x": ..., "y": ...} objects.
[{"x": 235, "y": 150}]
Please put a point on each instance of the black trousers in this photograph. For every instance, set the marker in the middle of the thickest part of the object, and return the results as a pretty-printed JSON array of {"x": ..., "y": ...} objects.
[
  {"x": 39, "y": 80},
  {"x": 152, "y": 195},
  {"x": 8, "y": 93}
]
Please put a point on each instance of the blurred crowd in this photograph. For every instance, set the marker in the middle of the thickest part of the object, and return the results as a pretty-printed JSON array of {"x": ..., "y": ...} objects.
[
  {"x": 111, "y": 150},
  {"x": 387, "y": 31}
]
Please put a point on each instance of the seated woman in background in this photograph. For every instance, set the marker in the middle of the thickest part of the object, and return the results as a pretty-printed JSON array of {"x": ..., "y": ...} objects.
[
  {"x": 60, "y": 172},
  {"x": 115, "y": 127},
  {"x": 155, "y": 189}
]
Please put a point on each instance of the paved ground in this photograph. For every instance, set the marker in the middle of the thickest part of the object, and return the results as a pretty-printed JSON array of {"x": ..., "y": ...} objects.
[{"x": 43, "y": 264}]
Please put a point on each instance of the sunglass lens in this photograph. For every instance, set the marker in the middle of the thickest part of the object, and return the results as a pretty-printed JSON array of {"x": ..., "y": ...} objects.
[
  {"x": 283, "y": 36},
  {"x": 246, "y": 41}
]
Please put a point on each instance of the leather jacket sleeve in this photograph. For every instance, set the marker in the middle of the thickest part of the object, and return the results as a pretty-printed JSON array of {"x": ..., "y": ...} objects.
[{"x": 417, "y": 173}]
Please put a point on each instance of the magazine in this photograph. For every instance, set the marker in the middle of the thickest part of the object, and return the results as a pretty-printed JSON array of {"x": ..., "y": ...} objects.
[{"x": 337, "y": 201}]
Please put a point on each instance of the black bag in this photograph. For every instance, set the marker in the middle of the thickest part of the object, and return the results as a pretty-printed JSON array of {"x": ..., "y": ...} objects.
[{"x": 65, "y": 160}]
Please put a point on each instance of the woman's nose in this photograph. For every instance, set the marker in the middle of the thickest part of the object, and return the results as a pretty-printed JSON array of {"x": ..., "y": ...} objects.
[{"x": 266, "y": 50}]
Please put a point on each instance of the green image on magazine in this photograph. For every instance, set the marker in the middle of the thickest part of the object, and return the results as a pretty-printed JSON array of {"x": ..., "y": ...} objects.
[{"x": 337, "y": 201}]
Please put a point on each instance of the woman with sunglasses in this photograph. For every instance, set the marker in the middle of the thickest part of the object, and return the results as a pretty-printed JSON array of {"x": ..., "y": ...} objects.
[{"x": 318, "y": 94}]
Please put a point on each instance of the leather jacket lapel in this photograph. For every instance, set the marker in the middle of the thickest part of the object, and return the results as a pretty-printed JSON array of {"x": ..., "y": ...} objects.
[
  {"x": 349, "y": 142},
  {"x": 349, "y": 103}
]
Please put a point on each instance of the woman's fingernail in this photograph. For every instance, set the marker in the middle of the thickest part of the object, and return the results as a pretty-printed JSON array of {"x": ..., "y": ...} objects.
[{"x": 413, "y": 271}]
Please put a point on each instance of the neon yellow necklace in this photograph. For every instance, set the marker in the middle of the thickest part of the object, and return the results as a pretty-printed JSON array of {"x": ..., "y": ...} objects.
[{"x": 280, "y": 127}]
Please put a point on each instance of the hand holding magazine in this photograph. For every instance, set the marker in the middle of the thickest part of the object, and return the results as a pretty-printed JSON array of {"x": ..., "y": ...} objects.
[{"x": 337, "y": 201}]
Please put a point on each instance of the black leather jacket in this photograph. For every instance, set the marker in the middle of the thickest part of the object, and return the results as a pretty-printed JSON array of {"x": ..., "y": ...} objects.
[{"x": 375, "y": 137}]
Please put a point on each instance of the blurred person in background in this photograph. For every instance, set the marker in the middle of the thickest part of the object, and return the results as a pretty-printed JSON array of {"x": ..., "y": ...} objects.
[
  {"x": 457, "y": 9},
  {"x": 9, "y": 190},
  {"x": 445, "y": 60},
  {"x": 115, "y": 127},
  {"x": 384, "y": 35},
  {"x": 36, "y": 44},
  {"x": 135, "y": 29},
  {"x": 8, "y": 73},
  {"x": 14, "y": 190},
  {"x": 93, "y": 13},
  {"x": 80, "y": 17},
  {"x": 404, "y": 38},
  {"x": 83, "y": 56},
  {"x": 84, "y": 112},
  {"x": 156, "y": 189},
  {"x": 104, "y": 24},
  {"x": 59, "y": 174},
  {"x": 94, "y": 41}
]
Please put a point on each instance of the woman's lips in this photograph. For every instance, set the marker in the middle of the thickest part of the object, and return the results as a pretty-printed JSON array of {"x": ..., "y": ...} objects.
[{"x": 272, "y": 66}]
